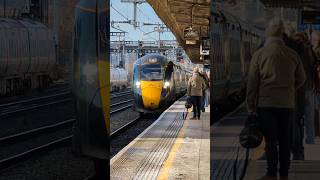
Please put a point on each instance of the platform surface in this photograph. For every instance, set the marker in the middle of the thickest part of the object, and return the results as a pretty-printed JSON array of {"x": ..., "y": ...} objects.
[
  {"x": 227, "y": 157},
  {"x": 171, "y": 148}
]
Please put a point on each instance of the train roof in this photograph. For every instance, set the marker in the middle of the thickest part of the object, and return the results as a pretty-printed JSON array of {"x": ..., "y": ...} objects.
[
  {"x": 160, "y": 58},
  {"x": 18, "y": 23},
  {"x": 230, "y": 18},
  {"x": 152, "y": 58}
]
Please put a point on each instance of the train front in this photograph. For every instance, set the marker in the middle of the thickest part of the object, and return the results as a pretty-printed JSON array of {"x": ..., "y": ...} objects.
[{"x": 150, "y": 85}]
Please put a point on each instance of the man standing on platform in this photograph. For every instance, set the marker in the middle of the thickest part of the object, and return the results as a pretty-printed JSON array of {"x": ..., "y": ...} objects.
[
  {"x": 276, "y": 72},
  {"x": 196, "y": 85}
]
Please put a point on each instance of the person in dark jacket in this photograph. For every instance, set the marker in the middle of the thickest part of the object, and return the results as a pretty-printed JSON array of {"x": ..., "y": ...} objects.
[
  {"x": 304, "y": 95},
  {"x": 275, "y": 73}
]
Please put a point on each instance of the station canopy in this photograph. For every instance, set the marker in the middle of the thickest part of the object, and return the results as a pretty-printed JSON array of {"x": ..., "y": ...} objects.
[{"x": 188, "y": 20}]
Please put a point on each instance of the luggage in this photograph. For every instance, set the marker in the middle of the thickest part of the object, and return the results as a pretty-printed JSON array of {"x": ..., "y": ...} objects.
[
  {"x": 188, "y": 105},
  {"x": 251, "y": 136}
]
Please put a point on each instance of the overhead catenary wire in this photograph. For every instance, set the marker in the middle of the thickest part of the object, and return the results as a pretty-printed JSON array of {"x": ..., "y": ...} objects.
[
  {"x": 150, "y": 20},
  {"x": 125, "y": 17},
  {"x": 144, "y": 33}
]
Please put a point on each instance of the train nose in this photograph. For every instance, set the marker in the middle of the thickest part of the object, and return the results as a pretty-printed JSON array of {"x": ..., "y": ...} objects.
[{"x": 151, "y": 92}]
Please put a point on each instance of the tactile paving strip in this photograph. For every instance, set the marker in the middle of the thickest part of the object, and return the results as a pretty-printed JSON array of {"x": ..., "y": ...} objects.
[{"x": 143, "y": 160}]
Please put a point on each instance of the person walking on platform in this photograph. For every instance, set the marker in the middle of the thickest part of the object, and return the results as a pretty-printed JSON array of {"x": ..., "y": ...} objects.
[
  {"x": 275, "y": 73},
  {"x": 205, "y": 93},
  {"x": 304, "y": 95},
  {"x": 196, "y": 85}
]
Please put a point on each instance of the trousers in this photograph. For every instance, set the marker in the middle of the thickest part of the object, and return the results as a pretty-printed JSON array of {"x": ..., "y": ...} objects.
[
  {"x": 275, "y": 125},
  {"x": 197, "y": 105}
]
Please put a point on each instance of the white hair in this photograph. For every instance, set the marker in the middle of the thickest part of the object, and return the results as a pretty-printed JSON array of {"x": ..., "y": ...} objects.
[
  {"x": 275, "y": 28},
  {"x": 289, "y": 29}
]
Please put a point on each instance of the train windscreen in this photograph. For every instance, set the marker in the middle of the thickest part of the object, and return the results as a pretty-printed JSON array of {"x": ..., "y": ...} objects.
[{"x": 151, "y": 72}]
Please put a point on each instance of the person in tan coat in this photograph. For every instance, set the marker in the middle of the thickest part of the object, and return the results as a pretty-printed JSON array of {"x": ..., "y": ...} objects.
[
  {"x": 275, "y": 73},
  {"x": 196, "y": 85}
]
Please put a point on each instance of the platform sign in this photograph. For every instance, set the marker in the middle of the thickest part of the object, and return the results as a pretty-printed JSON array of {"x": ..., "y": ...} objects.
[
  {"x": 191, "y": 36},
  {"x": 310, "y": 17},
  {"x": 205, "y": 46}
]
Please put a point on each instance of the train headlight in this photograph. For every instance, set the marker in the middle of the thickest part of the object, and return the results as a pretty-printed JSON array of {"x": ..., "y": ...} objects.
[
  {"x": 138, "y": 84},
  {"x": 166, "y": 84}
]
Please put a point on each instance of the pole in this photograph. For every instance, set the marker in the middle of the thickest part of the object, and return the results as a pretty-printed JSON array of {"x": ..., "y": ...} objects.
[
  {"x": 123, "y": 54},
  {"x": 159, "y": 36},
  {"x": 135, "y": 14}
]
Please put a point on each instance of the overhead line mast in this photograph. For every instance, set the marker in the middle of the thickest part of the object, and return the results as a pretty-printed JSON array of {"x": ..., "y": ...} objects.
[{"x": 135, "y": 3}]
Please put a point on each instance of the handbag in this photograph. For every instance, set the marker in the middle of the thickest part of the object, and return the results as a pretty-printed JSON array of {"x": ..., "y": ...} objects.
[
  {"x": 188, "y": 103},
  {"x": 251, "y": 135}
]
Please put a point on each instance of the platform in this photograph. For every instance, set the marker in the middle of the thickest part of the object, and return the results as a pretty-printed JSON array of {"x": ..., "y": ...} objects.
[
  {"x": 171, "y": 148},
  {"x": 225, "y": 149}
]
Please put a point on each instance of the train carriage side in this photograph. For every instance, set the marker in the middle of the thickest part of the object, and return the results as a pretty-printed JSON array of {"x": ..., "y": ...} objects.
[
  {"x": 27, "y": 55},
  {"x": 233, "y": 42},
  {"x": 218, "y": 64}
]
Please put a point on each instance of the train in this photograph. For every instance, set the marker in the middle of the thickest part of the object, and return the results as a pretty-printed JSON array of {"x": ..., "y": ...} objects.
[
  {"x": 233, "y": 41},
  {"x": 118, "y": 79},
  {"x": 157, "y": 81},
  {"x": 27, "y": 55}
]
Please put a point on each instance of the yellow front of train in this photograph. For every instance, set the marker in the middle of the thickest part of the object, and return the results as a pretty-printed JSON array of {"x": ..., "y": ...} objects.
[{"x": 150, "y": 85}]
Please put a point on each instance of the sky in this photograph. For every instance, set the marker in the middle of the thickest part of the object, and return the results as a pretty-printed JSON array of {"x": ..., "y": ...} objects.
[{"x": 145, "y": 15}]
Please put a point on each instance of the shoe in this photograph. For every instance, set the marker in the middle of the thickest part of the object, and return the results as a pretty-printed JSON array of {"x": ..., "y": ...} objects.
[
  {"x": 268, "y": 178},
  {"x": 193, "y": 118},
  {"x": 203, "y": 110},
  {"x": 198, "y": 118}
]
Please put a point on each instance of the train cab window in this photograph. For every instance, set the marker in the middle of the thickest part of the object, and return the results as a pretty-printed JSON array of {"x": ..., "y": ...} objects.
[{"x": 151, "y": 72}]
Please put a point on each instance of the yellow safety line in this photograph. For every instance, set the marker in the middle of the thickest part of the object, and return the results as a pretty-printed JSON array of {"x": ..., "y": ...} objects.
[{"x": 164, "y": 172}]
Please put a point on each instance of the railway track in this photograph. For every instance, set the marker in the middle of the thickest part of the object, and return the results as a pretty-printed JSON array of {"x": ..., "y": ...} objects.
[
  {"x": 120, "y": 106},
  {"x": 6, "y": 162},
  {"x": 27, "y": 135},
  {"x": 119, "y": 94},
  {"x": 44, "y": 101},
  {"x": 34, "y": 103}
]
